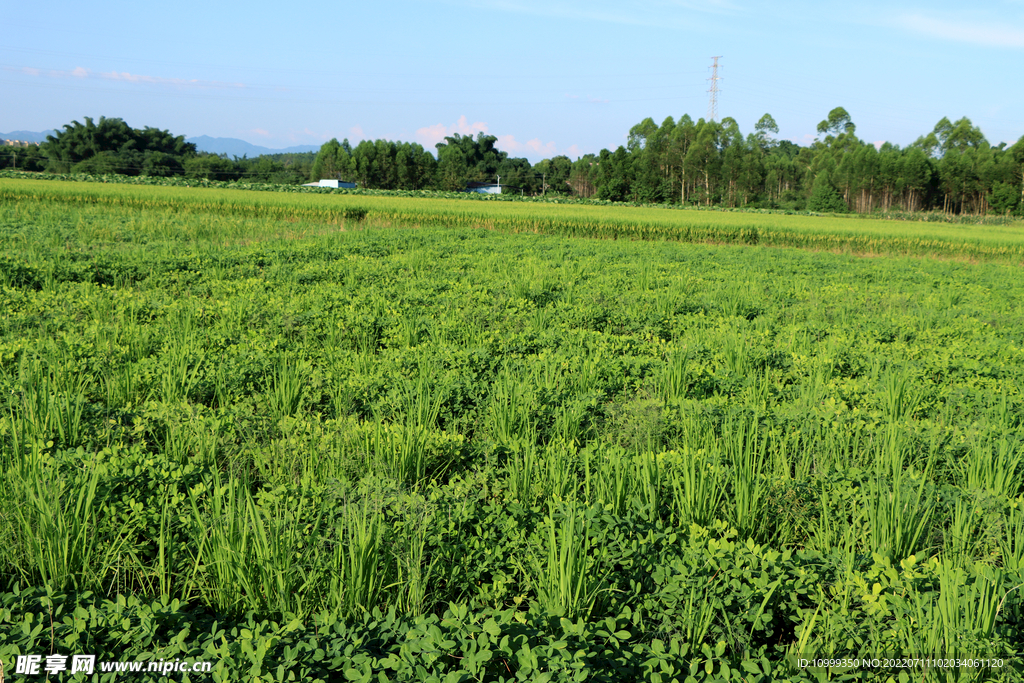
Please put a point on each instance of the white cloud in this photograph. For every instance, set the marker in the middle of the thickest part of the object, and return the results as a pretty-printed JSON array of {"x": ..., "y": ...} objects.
[
  {"x": 356, "y": 132},
  {"x": 126, "y": 77},
  {"x": 986, "y": 34},
  {"x": 545, "y": 149},
  {"x": 307, "y": 136},
  {"x": 429, "y": 136},
  {"x": 508, "y": 143},
  {"x": 534, "y": 147}
]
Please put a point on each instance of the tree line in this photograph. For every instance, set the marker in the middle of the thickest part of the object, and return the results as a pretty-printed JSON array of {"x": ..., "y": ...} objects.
[
  {"x": 711, "y": 163},
  {"x": 111, "y": 146},
  {"x": 953, "y": 168},
  {"x": 387, "y": 165}
]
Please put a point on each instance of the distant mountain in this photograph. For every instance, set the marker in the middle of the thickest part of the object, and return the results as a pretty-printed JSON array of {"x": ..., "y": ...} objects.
[
  {"x": 29, "y": 136},
  {"x": 234, "y": 147}
]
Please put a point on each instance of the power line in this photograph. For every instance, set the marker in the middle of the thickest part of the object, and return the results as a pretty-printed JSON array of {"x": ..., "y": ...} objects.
[{"x": 713, "y": 102}]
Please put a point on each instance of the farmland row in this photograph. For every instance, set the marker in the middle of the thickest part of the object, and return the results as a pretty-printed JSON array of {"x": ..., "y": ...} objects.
[{"x": 990, "y": 242}]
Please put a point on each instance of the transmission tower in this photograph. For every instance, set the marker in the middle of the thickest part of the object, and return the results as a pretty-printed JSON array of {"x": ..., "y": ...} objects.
[{"x": 713, "y": 90}]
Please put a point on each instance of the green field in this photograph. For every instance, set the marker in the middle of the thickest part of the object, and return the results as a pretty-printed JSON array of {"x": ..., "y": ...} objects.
[
  {"x": 317, "y": 437},
  {"x": 845, "y": 234}
]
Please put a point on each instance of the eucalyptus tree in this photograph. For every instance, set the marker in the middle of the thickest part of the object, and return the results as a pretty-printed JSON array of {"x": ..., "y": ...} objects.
[
  {"x": 478, "y": 158},
  {"x": 825, "y": 197},
  {"x": 583, "y": 176},
  {"x": 452, "y": 169},
  {"x": 889, "y": 182},
  {"x": 703, "y": 160},
  {"x": 764, "y": 129},
  {"x": 518, "y": 173},
  {"x": 614, "y": 175},
  {"x": 385, "y": 165},
  {"x": 554, "y": 174},
  {"x": 782, "y": 174},
  {"x": 366, "y": 171},
  {"x": 914, "y": 179},
  {"x": 731, "y": 153},
  {"x": 211, "y": 167},
  {"x": 964, "y": 151},
  {"x": 1017, "y": 156},
  {"x": 404, "y": 169},
  {"x": 28, "y": 158},
  {"x": 645, "y": 145},
  {"x": 864, "y": 178},
  {"x": 334, "y": 160},
  {"x": 682, "y": 137},
  {"x": 837, "y": 123}
]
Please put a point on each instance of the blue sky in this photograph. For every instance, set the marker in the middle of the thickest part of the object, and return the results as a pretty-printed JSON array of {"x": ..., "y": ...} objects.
[{"x": 544, "y": 76}]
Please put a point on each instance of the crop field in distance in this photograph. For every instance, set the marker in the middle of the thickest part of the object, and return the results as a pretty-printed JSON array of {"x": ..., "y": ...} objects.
[{"x": 319, "y": 437}]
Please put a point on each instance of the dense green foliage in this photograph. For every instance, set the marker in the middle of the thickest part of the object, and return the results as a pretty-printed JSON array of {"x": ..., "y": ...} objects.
[
  {"x": 111, "y": 146},
  {"x": 953, "y": 168},
  {"x": 824, "y": 197},
  {"x": 288, "y": 168},
  {"x": 385, "y": 165},
  {"x": 264, "y": 430},
  {"x": 18, "y": 158},
  {"x": 380, "y": 165}
]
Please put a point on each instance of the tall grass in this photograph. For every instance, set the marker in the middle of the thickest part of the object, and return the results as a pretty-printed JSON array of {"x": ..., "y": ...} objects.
[
  {"x": 358, "y": 580},
  {"x": 960, "y": 621},
  {"x": 698, "y": 485},
  {"x": 508, "y": 413},
  {"x": 994, "y": 468},
  {"x": 523, "y": 471},
  {"x": 898, "y": 503},
  {"x": 745, "y": 452},
  {"x": 285, "y": 390},
  {"x": 253, "y": 556},
  {"x": 674, "y": 380},
  {"x": 415, "y": 568},
  {"x": 607, "y": 479},
  {"x": 49, "y": 401},
  {"x": 58, "y": 537},
  {"x": 566, "y": 576}
]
